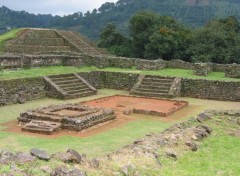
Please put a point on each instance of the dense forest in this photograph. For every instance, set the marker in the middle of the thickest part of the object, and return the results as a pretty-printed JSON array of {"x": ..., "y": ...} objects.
[
  {"x": 193, "y": 13},
  {"x": 152, "y": 36}
]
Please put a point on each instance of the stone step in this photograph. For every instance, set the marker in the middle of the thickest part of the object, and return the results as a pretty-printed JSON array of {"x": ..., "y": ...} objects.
[
  {"x": 165, "y": 86},
  {"x": 62, "y": 82},
  {"x": 64, "y": 78},
  {"x": 156, "y": 84},
  {"x": 77, "y": 84},
  {"x": 73, "y": 91},
  {"x": 60, "y": 76},
  {"x": 153, "y": 90},
  {"x": 42, "y": 42},
  {"x": 147, "y": 94},
  {"x": 157, "y": 80},
  {"x": 79, "y": 95}
]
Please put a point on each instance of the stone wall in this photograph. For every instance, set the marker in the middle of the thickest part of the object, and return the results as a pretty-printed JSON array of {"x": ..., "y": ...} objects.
[
  {"x": 233, "y": 71},
  {"x": 202, "y": 69},
  {"x": 119, "y": 81},
  {"x": 179, "y": 64},
  {"x": 21, "y": 90},
  {"x": 30, "y": 61},
  {"x": 207, "y": 89},
  {"x": 142, "y": 64}
]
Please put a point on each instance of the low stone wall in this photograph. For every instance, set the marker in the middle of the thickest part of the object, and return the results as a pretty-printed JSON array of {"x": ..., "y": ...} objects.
[
  {"x": 179, "y": 64},
  {"x": 142, "y": 64},
  {"x": 202, "y": 69},
  {"x": 206, "y": 89},
  {"x": 119, "y": 81},
  {"x": 21, "y": 90},
  {"x": 30, "y": 61},
  {"x": 233, "y": 71}
]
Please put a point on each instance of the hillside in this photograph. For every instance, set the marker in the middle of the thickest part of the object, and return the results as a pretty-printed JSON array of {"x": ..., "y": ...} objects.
[{"x": 193, "y": 13}]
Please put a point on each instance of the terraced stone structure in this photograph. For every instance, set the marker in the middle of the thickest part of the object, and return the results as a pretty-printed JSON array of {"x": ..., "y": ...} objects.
[
  {"x": 77, "y": 117},
  {"x": 39, "y": 41}
]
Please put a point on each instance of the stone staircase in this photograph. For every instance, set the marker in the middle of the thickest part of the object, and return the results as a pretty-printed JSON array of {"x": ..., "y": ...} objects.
[
  {"x": 153, "y": 86},
  {"x": 78, "y": 43},
  {"x": 68, "y": 86}
]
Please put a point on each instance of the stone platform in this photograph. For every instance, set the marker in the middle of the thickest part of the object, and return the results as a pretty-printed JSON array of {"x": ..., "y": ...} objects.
[{"x": 77, "y": 117}]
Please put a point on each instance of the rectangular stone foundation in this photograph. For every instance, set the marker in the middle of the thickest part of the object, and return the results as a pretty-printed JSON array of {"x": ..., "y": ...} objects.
[{"x": 77, "y": 117}]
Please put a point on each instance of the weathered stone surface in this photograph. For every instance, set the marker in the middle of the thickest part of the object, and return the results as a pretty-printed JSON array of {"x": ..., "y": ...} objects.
[
  {"x": 202, "y": 117},
  {"x": 22, "y": 158},
  {"x": 94, "y": 163},
  {"x": 192, "y": 145},
  {"x": 64, "y": 171},
  {"x": 41, "y": 154},
  {"x": 171, "y": 153},
  {"x": 6, "y": 157},
  {"x": 77, "y": 157}
]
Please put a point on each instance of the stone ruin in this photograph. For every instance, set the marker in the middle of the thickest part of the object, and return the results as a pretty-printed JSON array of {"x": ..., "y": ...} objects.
[{"x": 50, "y": 119}]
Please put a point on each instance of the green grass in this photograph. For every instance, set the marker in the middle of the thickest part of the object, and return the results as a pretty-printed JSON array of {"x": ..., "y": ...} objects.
[
  {"x": 8, "y": 36},
  {"x": 43, "y": 71},
  {"x": 218, "y": 155}
]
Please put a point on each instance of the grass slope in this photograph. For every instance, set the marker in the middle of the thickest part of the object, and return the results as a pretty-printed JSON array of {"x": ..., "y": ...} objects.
[
  {"x": 8, "y": 36},
  {"x": 43, "y": 71}
]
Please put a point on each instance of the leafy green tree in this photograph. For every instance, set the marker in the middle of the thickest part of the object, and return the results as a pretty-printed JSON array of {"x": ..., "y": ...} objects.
[
  {"x": 154, "y": 36},
  {"x": 218, "y": 41},
  {"x": 114, "y": 41},
  {"x": 142, "y": 26}
]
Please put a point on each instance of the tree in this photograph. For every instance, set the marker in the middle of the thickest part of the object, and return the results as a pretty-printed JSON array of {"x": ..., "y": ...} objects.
[
  {"x": 114, "y": 41},
  {"x": 218, "y": 41},
  {"x": 142, "y": 26}
]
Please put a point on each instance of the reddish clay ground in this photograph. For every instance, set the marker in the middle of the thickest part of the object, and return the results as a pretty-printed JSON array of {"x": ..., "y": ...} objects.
[{"x": 139, "y": 105}]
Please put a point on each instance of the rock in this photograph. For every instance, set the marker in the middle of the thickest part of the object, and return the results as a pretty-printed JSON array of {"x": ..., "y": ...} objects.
[
  {"x": 41, "y": 154},
  {"x": 22, "y": 158},
  {"x": 6, "y": 157},
  {"x": 94, "y": 163},
  {"x": 128, "y": 169},
  {"x": 171, "y": 153},
  {"x": 207, "y": 128},
  {"x": 238, "y": 122},
  {"x": 202, "y": 117},
  {"x": 64, "y": 171},
  {"x": 75, "y": 155},
  {"x": 138, "y": 141},
  {"x": 21, "y": 99},
  {"x": 193, "y": 146}
]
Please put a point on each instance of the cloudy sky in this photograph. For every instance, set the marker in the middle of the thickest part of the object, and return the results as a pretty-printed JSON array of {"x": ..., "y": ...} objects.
[{"x": 55, "y": 7}]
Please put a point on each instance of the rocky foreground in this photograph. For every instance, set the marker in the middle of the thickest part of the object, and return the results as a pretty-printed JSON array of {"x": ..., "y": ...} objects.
[{"x": 142, "y": 153}]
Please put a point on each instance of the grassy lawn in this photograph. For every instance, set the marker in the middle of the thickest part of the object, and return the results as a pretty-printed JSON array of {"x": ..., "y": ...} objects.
[
  {"x": 43, "y": 71},
  {"x": 8, "y": 36}
]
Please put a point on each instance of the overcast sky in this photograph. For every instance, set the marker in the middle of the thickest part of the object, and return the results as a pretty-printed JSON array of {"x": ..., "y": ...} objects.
[{"x": 55, "y": 7}]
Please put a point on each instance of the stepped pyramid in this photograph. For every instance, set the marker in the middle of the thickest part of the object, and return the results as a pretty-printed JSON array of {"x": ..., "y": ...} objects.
[{"x": 40, "y": 41}]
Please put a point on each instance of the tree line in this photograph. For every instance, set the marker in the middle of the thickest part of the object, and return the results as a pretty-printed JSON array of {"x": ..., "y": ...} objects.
[{"x": 152, "y": 36}]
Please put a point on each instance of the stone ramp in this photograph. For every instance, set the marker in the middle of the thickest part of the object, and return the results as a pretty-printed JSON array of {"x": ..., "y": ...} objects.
[
  {"x": 156, "y": 86},
  {"x": 43, "y": 127},
  {"x": 68, "y": 86},
  {"x": 78, "y": 43}
]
